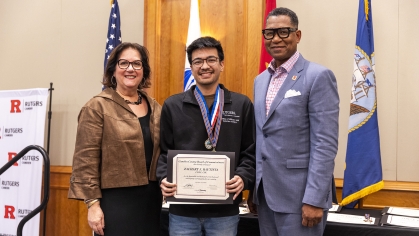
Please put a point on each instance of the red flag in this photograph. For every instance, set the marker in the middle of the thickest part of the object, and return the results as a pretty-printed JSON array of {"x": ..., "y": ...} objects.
[{"x": 265, "y": 58}]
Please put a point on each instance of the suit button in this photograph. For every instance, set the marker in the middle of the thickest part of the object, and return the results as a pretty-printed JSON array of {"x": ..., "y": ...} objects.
[
  {"x": 264, "y": 158},
  {"x": 265, "y": 135}
]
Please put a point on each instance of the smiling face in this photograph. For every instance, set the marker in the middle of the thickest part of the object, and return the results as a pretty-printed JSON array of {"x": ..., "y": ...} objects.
[
  {"x": 281, "y": 49},
  {"x": 206, "y": 76},
  {"x": 128, "y": 79}
]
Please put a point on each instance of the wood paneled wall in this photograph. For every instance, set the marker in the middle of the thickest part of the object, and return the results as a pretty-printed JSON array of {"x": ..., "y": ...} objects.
[
  {"x": 237, "y": 24},
  {"x": 64, "y": 216}
]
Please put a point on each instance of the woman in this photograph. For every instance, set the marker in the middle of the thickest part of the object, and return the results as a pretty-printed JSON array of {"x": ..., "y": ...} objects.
[{"x": 117, "y": 147}]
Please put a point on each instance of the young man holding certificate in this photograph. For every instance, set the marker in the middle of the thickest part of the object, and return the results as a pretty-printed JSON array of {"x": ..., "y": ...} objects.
[{"x": 208, "y": 117}]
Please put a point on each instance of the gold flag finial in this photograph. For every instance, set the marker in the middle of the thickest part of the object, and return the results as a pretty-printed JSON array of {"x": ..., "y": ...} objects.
[{"x": 366, "y": 9}]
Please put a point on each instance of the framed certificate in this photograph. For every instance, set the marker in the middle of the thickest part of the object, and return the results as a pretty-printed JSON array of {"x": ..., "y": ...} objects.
[{"x": 200, "y": 176}]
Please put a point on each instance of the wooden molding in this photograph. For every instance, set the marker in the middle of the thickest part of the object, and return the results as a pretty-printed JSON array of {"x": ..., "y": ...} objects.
[
  {"x": 394, "y": 193},
  {"x": 390, "y": 185}
]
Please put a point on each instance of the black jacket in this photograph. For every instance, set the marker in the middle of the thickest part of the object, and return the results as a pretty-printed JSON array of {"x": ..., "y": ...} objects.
[{"x": 182, "y": 128}]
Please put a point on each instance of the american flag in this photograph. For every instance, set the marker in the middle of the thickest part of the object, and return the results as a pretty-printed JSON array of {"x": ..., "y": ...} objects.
[
  {"x": 365, "y": 68},
  {"x": 113, "y": 38}
]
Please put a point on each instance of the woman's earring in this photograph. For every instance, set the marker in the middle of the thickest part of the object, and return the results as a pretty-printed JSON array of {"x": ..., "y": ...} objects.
[
  {"x": 113, "y": 82},
  {"x": 143, "y": 83}
]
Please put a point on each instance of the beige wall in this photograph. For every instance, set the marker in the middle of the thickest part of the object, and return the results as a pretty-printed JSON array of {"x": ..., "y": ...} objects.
[
  {"x": 404, "y": 90},
  {"x": 328, "y": 37},
  {"x": 63, "y": 42}
]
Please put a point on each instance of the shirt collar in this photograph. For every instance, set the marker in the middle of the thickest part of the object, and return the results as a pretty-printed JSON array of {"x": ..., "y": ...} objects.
[
  {"x": 287, "y": 66},
  {"x": 189, "y": 96}
]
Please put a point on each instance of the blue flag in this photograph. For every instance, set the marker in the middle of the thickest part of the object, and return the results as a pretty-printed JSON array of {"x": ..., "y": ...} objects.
[
  {"x": 113, "y": 38},
  {"x": 363, "y": 173}
]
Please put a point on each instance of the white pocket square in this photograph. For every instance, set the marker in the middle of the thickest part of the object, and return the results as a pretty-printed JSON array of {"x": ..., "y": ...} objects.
[{"x": 292, "y": 93}]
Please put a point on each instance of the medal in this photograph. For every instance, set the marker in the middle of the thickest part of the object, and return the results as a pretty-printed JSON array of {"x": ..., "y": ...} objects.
[
  {"x": 212, "y": 120},
  {"x": 208, "y": 144}
]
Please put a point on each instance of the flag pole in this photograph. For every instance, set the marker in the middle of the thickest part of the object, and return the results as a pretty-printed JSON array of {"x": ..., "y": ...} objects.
[{"x": 51, "y": 88}]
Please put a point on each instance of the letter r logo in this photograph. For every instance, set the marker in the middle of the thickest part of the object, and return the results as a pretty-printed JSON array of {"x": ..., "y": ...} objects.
[
  {"x": 11, "y": 155},
  {"x": 15, "y": 106},
  {"x": 8, "y": 212}
]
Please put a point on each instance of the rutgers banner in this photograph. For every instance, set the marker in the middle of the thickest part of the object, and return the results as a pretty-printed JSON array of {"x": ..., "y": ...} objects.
[{"x": 22, "y": 123}]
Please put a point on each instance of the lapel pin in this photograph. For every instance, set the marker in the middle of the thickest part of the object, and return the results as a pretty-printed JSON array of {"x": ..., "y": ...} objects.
[{"x": 294, "y": 77}]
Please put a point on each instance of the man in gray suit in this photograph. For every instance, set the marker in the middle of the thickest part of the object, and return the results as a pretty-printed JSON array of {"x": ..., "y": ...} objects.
[{"x": 297, "y": 109}]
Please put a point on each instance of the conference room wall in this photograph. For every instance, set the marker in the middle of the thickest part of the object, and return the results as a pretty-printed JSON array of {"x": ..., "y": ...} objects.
[
  {"x": 63, "y": 42},
  {"x": 329, "y": 31}
]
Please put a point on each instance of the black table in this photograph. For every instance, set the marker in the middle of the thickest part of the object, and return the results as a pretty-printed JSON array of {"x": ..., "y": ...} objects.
[
  {"x": 340, "y": 229},
  {"x": 249, "y": 226}
]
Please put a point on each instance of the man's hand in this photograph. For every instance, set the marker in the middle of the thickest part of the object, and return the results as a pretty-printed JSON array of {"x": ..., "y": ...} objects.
[
  {"x": 167, "y": 189},
  {"x": 311, "y": 215},
  {"x": 235, "y": 185}
]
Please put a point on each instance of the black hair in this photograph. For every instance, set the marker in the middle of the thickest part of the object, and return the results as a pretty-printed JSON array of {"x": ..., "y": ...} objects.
[
  {"x": 282, "y": 11},
  {"x": 205, "y": 42}
]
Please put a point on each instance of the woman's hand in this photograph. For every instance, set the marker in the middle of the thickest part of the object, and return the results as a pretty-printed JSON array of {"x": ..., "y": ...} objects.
[{"x": 96, "y": 219}]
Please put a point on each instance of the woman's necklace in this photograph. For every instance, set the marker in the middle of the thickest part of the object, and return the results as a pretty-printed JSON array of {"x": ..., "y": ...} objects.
[{"x": 138, "y": 102}]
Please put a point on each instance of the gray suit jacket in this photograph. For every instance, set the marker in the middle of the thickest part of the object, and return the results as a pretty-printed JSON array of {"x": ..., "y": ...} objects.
[{"x": 296, "y": 143}]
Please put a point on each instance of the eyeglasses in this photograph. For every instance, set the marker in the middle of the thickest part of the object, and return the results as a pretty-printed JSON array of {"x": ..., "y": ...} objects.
[
  {"x": 124, "y": 64},
  {"x": 283, "y": 33},
  {"x": 199, "y": 62}
]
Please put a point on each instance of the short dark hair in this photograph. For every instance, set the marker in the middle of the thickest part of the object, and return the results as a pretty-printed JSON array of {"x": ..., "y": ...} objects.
[
  {"x": 113, "y": 60},
  {"x": 205, "y": 42},
  {"x": 282, "y": 11}
]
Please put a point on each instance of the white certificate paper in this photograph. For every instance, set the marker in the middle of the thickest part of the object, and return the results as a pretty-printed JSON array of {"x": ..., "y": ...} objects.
[
  {"x": 401, "y": 221},
  {"x": 350, "y": 219},
  {"x": 201, "y": 176},
  {"x": 335, "y": 208},
  {"x": 403, "y": 211}
]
